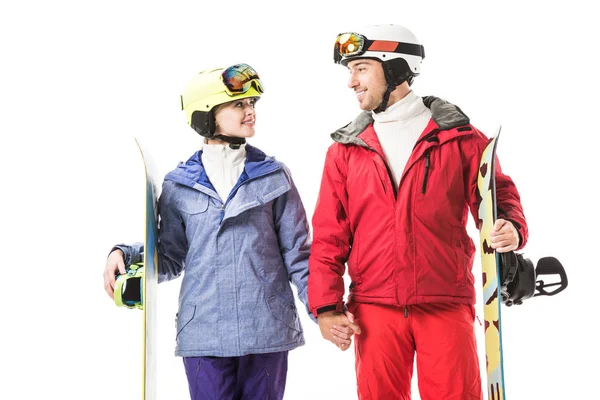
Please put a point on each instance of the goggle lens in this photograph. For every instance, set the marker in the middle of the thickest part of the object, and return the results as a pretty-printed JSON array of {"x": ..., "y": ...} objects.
[
  {"x": 239, "y": 78},
  {"x": 348, "y": 44}
]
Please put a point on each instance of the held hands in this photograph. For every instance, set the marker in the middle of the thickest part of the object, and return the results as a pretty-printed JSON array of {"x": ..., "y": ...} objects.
[
  {"x": 338, "y": 328},
  {"x": 504, "y": 236},
  {"x": 114, "y": 263}
]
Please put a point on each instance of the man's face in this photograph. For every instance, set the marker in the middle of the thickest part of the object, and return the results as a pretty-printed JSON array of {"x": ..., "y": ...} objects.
[{"x": 368, "y": 82}]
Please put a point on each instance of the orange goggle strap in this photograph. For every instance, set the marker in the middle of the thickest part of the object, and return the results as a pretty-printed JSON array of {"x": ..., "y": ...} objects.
[{"x": 361, "y": 45}]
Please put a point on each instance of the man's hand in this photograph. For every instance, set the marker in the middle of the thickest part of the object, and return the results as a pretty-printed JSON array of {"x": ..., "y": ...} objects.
[
  {"x": 504, "y": 236},
  {"x": 338, "y": 328},
  {"x": 114, "y": 263}
]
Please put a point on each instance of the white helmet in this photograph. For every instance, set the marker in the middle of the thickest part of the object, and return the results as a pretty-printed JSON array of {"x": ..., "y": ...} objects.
[
  {"x": 385, "y": 43},
  {"x": 397, "y": 48}
]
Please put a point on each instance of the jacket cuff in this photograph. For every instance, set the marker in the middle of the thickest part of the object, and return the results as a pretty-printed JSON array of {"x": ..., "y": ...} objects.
[
  {"x": 339, "y": 307},
  {"x": 125, "y": 254},
  {"x": 131, "y": 254}
]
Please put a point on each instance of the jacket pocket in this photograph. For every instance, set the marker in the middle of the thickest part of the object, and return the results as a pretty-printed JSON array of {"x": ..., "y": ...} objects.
[
  {"x": 464, "y": 249},
  {"x": 284, "y": 312},
  {"x": 195, "y": 205},
  {"x": 195, "y": 216},
  {"x": 353, "y": 262},
  {"x": 184, "y": 317},
  {"x": 381, "y": 178}
]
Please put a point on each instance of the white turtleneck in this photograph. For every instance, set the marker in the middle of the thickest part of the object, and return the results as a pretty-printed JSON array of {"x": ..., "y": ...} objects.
[
  {"x": 223, "y": 166},
  {"x": 398, "y": 129}
]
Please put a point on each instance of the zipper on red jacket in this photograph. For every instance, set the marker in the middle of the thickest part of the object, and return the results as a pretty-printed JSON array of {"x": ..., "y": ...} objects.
[
  {"x": 430, "y": 137},
  {"x": 389, "y": 171},
  {"x": 424, "y": 187},
  {"x": 405, "y": 311}
]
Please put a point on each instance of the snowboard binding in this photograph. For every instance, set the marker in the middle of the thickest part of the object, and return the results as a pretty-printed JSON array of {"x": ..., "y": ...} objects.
[
  {"x": 518, "y": 278},
  {"x": 129, "y": 287}
]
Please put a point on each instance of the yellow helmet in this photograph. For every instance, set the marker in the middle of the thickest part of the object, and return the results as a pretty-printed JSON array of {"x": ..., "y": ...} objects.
[{"x": 213, "y": 87}]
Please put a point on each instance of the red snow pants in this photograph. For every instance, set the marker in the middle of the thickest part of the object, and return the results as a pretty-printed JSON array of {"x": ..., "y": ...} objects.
[{"x": 441, "y": 335}]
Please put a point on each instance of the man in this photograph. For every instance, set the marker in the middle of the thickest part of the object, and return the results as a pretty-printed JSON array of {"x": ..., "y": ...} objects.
[{"x": 397, "y": 187}]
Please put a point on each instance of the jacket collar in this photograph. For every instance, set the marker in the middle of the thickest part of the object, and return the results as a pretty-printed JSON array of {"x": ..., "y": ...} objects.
[
  {"x": 192, "y": 172},
  {"x": 445, "y": 116}
]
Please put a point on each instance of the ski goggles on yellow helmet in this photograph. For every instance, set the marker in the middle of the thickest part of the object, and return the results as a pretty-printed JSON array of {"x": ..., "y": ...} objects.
[
  {"x": 351, "y": 44},
  {"x": 240, "y": 78}
]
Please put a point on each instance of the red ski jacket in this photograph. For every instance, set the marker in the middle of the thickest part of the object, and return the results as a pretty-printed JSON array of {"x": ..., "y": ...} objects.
[{"x": 407, "y": 244}]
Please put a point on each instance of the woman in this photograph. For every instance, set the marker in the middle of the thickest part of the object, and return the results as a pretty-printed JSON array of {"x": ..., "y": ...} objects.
[{"x": 232, "y": 218}]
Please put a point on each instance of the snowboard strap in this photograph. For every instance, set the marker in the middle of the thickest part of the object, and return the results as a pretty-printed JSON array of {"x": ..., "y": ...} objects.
[
  {"x": 129, "y": 287},
  {"x": 518, "y": 278}
]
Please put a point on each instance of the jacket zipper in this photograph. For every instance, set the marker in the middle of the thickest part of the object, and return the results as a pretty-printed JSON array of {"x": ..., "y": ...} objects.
[
  {"x": 223, "y": 168},
  {"x": 428, "y": 137},
  {"x": 389, "y": 171},
  {"x": 424, "y": 187},
  {"x": 236, "y": 187}
]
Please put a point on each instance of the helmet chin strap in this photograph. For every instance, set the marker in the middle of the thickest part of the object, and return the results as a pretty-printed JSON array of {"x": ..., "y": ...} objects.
[
  {"x": 388, "y": 73},
  {"x": 234, "y": 142},
  {"x": 385, "y": 99}
]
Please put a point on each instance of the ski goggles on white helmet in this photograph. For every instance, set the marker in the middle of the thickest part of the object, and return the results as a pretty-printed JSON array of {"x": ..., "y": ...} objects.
[
  {"x": 240, "y": 78},
  {"x": 351, "y": 44}
]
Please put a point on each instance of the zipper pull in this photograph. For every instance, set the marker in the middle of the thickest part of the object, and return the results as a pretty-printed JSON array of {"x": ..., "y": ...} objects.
[
  {"x": 424, "y": 187},
  {"x": 405, "y": 311}
]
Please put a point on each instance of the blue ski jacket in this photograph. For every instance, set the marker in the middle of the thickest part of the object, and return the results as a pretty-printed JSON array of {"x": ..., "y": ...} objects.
[{"x": 237, "y": 259}]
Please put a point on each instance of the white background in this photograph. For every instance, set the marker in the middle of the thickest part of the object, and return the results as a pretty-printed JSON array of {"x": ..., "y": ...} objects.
[{"x": 80, "y": 79}]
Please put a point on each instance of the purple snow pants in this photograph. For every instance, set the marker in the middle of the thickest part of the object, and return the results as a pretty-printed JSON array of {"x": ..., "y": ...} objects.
[{"x": 250, "y": 377}]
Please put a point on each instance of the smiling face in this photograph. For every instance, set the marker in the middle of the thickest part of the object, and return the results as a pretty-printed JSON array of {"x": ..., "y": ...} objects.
[
  {"x": 368, "y": 82},
  {"x": 236, "y": 118}
]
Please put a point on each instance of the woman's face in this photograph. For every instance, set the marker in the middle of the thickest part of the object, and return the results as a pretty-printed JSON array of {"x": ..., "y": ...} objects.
[{"x": 236, "y": 118}]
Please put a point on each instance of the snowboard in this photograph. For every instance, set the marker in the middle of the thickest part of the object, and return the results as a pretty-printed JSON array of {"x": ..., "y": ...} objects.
[
  {"x": 150, "y": 276},
  {"x": 490, "y": 265}
]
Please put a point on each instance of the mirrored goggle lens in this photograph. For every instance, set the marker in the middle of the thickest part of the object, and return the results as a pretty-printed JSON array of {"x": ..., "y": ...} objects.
[
  {"x": 348, "y": 44},
  {"x": 239, "y": 78}
]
